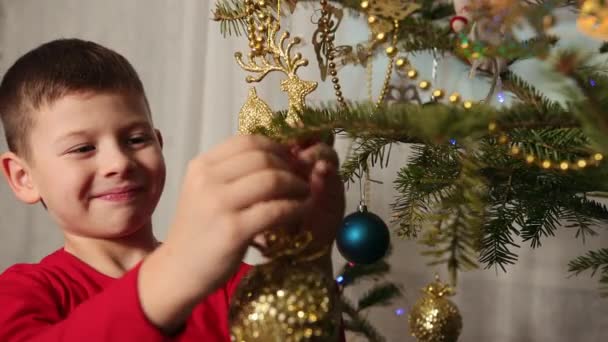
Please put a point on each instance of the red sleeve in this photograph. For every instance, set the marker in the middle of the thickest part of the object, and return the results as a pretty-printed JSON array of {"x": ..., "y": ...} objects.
[
  {"x": 29, "y": 312},
  {"x": 234, "y": 282}
]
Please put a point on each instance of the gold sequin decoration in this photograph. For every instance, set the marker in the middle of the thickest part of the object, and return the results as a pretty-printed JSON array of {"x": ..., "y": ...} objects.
[
  {"x": 274, "y": 303},
  {"x": 434, "y": 318}
]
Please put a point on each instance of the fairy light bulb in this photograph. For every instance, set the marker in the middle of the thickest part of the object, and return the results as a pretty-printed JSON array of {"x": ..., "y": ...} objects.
[
  {"x": 500, "y": 97},
  {"x": 582, "y": 163}
]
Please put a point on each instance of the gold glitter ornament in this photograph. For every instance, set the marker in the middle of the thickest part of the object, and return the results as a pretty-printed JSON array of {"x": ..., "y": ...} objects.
[
  {"x": 255, "y": 112},
  {"x": 284, "y": 61},
  {"x": 434, "y": 318},
  {"x": 284, "y": 302}
]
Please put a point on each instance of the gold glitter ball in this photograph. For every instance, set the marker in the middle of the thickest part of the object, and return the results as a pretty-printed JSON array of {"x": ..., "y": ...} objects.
[
  {"x": 302, "y": 306},
  {"x": 434, "y": 318}
]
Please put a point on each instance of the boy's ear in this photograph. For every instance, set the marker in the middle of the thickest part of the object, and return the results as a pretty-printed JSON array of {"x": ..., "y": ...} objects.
[
  {"x": 159, "y": 136},
  {"x": 18, "y": 178}
]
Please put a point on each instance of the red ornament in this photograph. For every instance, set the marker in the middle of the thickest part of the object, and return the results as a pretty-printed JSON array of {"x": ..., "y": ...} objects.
[{"x": 458, "y": 22}]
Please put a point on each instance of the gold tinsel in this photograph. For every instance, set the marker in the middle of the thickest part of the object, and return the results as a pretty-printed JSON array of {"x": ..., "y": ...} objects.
[
  {"x": 434, "y": 318},
  {"x": 284, "y": 302}
]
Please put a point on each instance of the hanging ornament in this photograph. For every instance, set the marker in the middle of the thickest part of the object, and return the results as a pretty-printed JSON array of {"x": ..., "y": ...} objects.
[
  {"x": 264, "y": 44},
  {"x": 287, "y": 299},
  {"x": 434, "y": 318},
  {"x": 593, "y": 19},
  {"x": 284, "y": 301},
  {"x": 489, "y": 27},
  {"x": 364, "y": 238},
  {"x": 255, "y": 112}
]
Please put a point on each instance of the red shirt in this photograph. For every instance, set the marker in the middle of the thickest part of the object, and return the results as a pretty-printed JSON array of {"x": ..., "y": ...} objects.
[{"x": 64, "y": 299}]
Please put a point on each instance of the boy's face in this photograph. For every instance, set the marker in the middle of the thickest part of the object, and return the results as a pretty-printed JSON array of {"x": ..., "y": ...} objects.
[{"x": 87, "y": 145}]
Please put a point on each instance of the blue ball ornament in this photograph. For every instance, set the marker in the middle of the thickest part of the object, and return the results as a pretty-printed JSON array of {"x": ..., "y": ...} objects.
[{"x": 364, "y": 238}]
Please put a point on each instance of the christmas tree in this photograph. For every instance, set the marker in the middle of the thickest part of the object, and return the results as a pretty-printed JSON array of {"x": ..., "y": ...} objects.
[{"x": 485, "y": 178}]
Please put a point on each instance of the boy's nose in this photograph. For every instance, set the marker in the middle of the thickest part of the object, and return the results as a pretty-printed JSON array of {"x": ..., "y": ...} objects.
[{"x": 116, "y": 162}]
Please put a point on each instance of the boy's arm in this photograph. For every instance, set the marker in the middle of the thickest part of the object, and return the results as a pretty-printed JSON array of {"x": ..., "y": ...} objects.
[{"x": 29, "y": 312}]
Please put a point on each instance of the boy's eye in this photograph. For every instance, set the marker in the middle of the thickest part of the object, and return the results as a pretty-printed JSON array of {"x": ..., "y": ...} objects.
[
  {"x": 83, "y": 149},
  {"x": 139, "y": 139}
]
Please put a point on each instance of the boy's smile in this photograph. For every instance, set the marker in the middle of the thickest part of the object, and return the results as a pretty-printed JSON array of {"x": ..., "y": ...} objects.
[{"x": 97, "y": 163}]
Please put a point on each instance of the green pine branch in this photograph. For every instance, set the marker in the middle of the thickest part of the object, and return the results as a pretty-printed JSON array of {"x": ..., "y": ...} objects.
[
  {"x": 379, "y": 295},
  {"x": 358, "y": 324},
  {"x": 427, "y": 180},
  {"x": 498, "y": 238},
  {"x": 232, "y": 16},
  {"x": 583, "y": 214},
  {"x": 355, "y": 273},
  {"x": 456, "y": 239},
  {"x": 594, "y": 261},
  {"x": 367, "y": 152},
  {"x": 525, "y": 92}
]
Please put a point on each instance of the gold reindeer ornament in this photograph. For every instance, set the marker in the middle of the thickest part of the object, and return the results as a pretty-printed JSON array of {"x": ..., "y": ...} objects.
[{"x": 274, "y": 56}]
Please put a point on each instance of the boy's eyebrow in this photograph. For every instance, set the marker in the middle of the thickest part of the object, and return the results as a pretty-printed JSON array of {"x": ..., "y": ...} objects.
[{"x": 132, "y": 125}]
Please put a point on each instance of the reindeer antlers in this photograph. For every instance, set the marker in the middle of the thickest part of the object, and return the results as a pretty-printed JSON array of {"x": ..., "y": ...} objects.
[{"x": 282, "y": 59}]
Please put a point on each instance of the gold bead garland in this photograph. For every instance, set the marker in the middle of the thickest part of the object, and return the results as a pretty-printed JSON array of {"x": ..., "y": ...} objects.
[
  {"x": 515, "y": 151},
  {"x": 594, "y": 159},
  {"x": 391, "y": 51},
  {"x": 437, "y": 93}
]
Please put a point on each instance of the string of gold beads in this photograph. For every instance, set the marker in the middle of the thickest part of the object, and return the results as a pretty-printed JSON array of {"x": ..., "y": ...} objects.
[
  {"x": 391, "y": 51},
  {"x": 256, "y": 34},
  {"x": 594, "y": 158},
  {"x": 329, "y": 37},
  {"x": 404, "y": 66}
]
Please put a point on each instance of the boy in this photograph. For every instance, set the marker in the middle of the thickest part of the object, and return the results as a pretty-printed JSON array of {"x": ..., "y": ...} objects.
[{"x": 82, "y": 142}]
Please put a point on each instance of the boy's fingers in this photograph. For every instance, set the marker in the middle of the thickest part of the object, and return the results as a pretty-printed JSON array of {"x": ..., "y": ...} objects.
[
  {"x": 248, "y": 163},
  {"x": 243, "y": 143},
  {"x": 305, "y": 142},
  {"x": 319, "y": 152},
  {"x": 264, "y": 186},
  {"x": 264, "y": 216}
]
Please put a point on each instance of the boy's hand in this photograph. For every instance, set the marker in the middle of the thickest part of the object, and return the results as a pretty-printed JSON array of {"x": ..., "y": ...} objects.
[
  {"x": 230, "y": 194},
  {"x": 327, "y": 198},
  {"x": 318, "y": 164}
]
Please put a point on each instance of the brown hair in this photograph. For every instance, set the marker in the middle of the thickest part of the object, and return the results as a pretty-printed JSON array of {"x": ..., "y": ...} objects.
[{"x": 51, "y": 71}]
